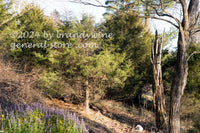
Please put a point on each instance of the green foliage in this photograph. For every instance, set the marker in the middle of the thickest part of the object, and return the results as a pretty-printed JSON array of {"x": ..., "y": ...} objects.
[
  {"x": 31, "y": 27},
  {"x": 4, "y": 14},
  {"x": 169, "y": 36},
  {"x": 108, "y": 70},
  {"x": 193, "y": 83},
  {"x": 197, "y": 125},
  {"x": 6, "y": 28},
  {"x": 49, "y": 84},
  {"x": 130, "y": 37},
  {"x": 168, "y": 64},
  {"x": 101, "y": 67}
]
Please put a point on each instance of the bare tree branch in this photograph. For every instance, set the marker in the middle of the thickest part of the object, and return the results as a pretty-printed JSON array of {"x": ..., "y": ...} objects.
[
  {"x": 167, "y": 14},
  {"x": 168, "y": 21},
  {"x": 196, "y": 30},
  {"x": 99, "y": 2},
  {"x": 196, "y": 52},
  {"x": 88, "y": 3},
  {"x": 105, "y": 6},
  {"x": 196, "y": 21},
  {"x": 117, "y": 2},
  {"x": 163, "y": 14}
]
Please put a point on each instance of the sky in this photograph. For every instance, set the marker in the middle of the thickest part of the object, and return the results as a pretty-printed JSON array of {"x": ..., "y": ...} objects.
[
  {"x": 75, "y": 8},
  {"x": 78, "y": 9}
]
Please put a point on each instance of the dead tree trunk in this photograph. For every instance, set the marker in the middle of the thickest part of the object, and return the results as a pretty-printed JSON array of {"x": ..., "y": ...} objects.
[
  {"x": 87, "y": 98},
  {"x": 159, "y": 98}
]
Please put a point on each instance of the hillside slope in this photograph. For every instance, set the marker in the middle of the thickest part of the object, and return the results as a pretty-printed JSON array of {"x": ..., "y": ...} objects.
[{"x": 104, "y": 117}]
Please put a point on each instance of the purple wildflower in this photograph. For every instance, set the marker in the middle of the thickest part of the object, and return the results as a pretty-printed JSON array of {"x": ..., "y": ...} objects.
[{"x": 50, "y": 130}]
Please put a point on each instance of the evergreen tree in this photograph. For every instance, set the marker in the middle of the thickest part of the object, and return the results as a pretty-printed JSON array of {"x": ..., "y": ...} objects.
[
  {"x": 193, "y": 85},
  {"x": 130, "y": 37},
  {"x": 5, "y": 28},
  {"x": 32, "y": 44},
  {"x": 85, "y": 66}
]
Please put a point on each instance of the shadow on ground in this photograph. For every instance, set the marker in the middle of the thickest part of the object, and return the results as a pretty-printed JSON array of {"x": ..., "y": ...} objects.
[
  {"x": 95, "y": 127},
  {"x": 131, "y": 121}
]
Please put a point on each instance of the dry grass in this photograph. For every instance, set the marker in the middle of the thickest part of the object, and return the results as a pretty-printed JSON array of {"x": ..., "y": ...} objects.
[
  {"x": 114, "y": 116},
  {"x": 16, "y": 87}
]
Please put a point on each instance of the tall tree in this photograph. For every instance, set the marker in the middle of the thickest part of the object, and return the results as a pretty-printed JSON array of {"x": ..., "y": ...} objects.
[
  {"x": 186, "y": 29},
  {"x": 130, "y": 36},
  {"x": 88, "y": 62}
]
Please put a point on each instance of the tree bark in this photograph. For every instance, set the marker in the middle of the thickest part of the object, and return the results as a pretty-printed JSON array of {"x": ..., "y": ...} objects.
[
  {"x": 159, "y": 98},
  {"x": 87, "y": 98},
  {"x": 147, "y": 20},
  {"x": 181, "y": 69},
  {"x": 179, "y": 82}
]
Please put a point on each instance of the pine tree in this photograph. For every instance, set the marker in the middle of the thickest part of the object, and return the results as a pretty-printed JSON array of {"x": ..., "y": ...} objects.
[
  {"x": 32, "y": 26},
  {"x": 131, "y": 37},
  {"x": 5, "y": 28}
]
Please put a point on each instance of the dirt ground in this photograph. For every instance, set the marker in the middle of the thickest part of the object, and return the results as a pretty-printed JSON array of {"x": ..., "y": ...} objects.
[{"x": 110, "y": 116}]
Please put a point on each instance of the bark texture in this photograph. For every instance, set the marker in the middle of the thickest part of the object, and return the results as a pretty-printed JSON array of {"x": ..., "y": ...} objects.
[
  {"x": 178, "y": 85},
  {"x": 87, "y": 98},
  {"x": 181, "y": 69},
  {"x": 147, "y": 20},
  {"x": 159, "y": 98}
]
